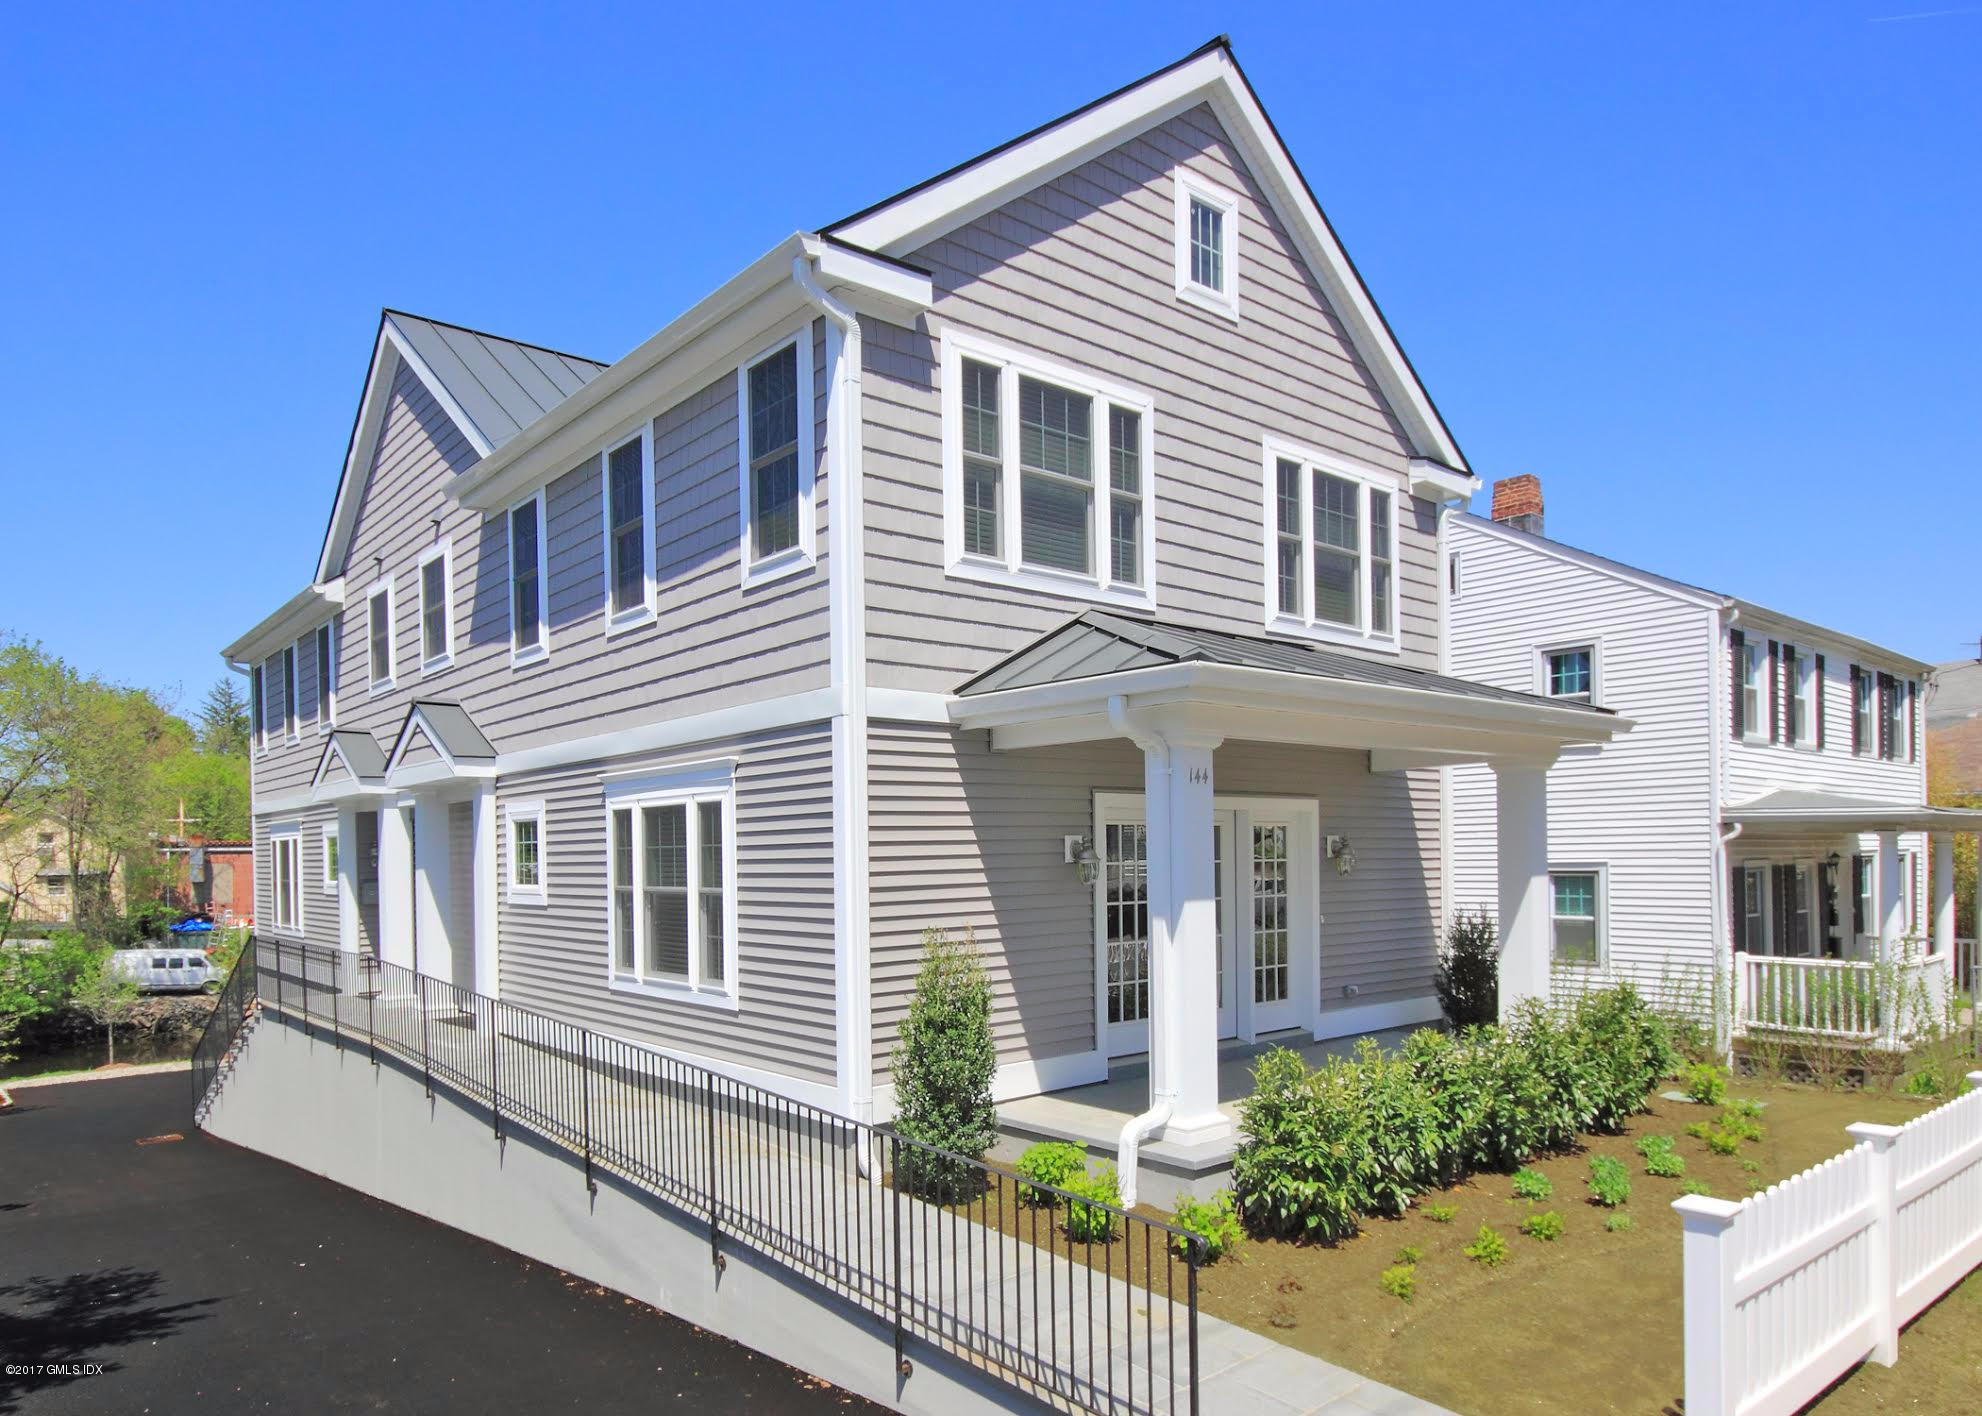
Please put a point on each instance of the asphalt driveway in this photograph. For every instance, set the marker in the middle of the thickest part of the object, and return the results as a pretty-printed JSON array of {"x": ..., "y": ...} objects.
[{"x": 190, "y": 1276}]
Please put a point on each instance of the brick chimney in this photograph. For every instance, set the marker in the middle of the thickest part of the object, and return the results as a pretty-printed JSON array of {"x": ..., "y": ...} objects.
[{"x": 1517, "y": 502}]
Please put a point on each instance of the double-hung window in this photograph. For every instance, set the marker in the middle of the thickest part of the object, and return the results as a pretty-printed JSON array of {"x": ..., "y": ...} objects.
[
  {"x": 257, "y": 706},
  {"x": 526, "y": 852},
  {"x": 774, "y": 411},
  {"x": 331, "y": 846},
  {"x": 1864, "y": 714},
  {"x": 286, "y": 877},
  {"x": 326, "y": 666},
  {"x": 1332, "y": 548},
  {"x": 437, "y": 607},
  {"x": 1207, "y": 245},
  {"x": 1893, "y": 711},
  {"x": 1570, "y": 673},
  {"x": 1047, "y": 476},
  {"x": 1864, "y": 894},
  {"x": 1801, "y": 668},
  {"x": 378, "y": 635},
  {"x": 627, "y": 469},
  {"x": 290, "y": 727},
  {"x": 529, "y": 608},
  {"x": 1755, "y": 909},
  {"x": 1576, "y": 915},
  {"x": 1754, "y": 689},
  {"x": 672, "y": 909}
]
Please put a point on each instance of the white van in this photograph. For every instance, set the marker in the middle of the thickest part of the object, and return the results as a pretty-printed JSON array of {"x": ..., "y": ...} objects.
[{"x": 166, "y": 968}]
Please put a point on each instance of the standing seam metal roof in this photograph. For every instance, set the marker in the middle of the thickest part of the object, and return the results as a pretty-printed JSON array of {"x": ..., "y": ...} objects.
[{"x": 502, "y": 385}]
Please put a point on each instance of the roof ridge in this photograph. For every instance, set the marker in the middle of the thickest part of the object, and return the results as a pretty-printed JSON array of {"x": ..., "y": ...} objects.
[{"x": 486, "y": 334}]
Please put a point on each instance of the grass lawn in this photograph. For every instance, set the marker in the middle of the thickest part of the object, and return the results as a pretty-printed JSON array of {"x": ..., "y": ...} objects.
[{"x": 1591, "y": 1321}]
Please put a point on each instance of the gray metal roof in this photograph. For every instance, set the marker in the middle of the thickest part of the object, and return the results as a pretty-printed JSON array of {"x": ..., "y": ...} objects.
[
  {"x": 502, "y": 385},
  {"x": 361, "y": 750},
  {"x": 1848, "y": 812},
  {"x": 453, "y": 730},
  {"x": 1101, "y": 643}
]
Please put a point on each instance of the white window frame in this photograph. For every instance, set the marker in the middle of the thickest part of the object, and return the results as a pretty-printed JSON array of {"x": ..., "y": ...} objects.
[
  {"x": 1367, "y": 479},
  {"x": 442, "y": 551},
  {"x": 1802, "y": 666},
  {"x": 688, "y": 786},
  {"x": 757, "y": 571},
  {"x": 1751, "y": 869},
  {"x": 285, "y": 838},
  {"x": 376, "y": 684},
  {"x": 1909, "y": 894},
  {"x": 326, "y": 675},
  {"x": 1865, "y": 713},
  {"x": 1601, "y": 872},
  {"x": 1455, "y": 577},
  {"x": 1592, "y": 647},
  {"x": 292, "y": 718},
  {"x": 1225, "y": 299},
  {"x": 258, "y": 704},
  {"x": 1008, "y": 569},
  {"x": 541, "y": 650},
  {"x": 635, "y": 616},
  {"x": 513, "y": 813},
  {"x": 1754, "y": 711},
  {"x": 329, "y": 838}
]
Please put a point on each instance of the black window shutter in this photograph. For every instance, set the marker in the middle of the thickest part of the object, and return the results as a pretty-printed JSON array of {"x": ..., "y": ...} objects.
[
  {"x": 1738, "y": 643},
  {"x": 1779, "y": 882},
  {"x": 1818, "y": 698},
  {"x": 1882, "y": 705},
  {"x": 1912, "y": 724},
  {"x": 1857, "y": 731},
  {"x": 1857, "y": 895},
  {"x": 1775, "y": 691},
  {"x": 1737, "y": 908}
]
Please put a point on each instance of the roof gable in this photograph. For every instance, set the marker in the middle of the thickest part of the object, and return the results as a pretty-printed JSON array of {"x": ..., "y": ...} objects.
[{"x": 1210, "y": 76}]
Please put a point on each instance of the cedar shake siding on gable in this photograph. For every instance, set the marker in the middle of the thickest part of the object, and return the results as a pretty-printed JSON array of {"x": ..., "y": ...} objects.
[
  {"x": 554, "y": 955},
  {"x": 714, "y": 644},
  {"x": 1081, "y": 271},
  {"x": 965, "y": 837}
]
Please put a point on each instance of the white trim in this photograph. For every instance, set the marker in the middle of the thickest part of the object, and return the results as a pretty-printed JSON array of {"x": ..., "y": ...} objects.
[
  {"x": 289, "y": 833},
  {"x": 445, "y": 767},
  {"x": 1009, "y": 568},
  {"x": 1376, "y": 1017},
  {"x": 303, "y": 608},
  {"x": 645, "y": 613},
  {"x": 690, "y": 787},
  {"x": 1755, "y": 725},
  {"x": 328, "y": 833},
  {"x": 442, "y": 551},
  {"x": 375, "y": 684},
  {"x": 717, "y": 725},
  {"x": 292, "y": 678},
  {"x": 1223, "y": 300},
  {"x": 801, "y": 555},
  {"x": 1367, "y": 479},
  {"x": 1601, "y": 870},
  {"x": 513, "y": 814},
  {"x": 908, "y": 705},
  {"x": 1589, "y": 644},
  {"x": 537, "y": 653},
  {"x": 327, "y": 673}
]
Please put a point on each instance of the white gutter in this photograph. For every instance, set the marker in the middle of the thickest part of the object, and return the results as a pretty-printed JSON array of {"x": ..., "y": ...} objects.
[
  {"x": 847, "y": 617},
  {"x": 1723, "y": 907},
  {"x": 1162, "y": 1086}
]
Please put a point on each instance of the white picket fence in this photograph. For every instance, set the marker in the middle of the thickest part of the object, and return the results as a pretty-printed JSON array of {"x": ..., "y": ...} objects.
[
  {"x": 1788, "y": 1290},
  {"x": 1841, "y": 999}
]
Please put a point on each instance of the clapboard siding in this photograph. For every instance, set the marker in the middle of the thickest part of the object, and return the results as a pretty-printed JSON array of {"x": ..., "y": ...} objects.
[
  {"x": 713, "y": 644},
  {"x": 965, "y": 838},
  {"x": 553, "y": 956},
  {"x": 1757, "y": 767},
  {"x": 1081, "y": 271},
  {"x": 1643, "y": 805},
  {"x": 320, "y": 907}
]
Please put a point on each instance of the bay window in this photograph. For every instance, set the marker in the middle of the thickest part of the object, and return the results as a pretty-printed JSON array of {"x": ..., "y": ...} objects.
[
  {"x": 775, "y": 415},
  {"x": 1046, "y": 476},
  {"x": 1332, "y": 548},
  {"x": 672, "y": 909}
]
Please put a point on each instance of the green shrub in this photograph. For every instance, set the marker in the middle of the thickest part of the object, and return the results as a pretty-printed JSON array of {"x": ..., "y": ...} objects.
[
  {"x": 1618, "y": 1224},
  {"x": 1695, "y": 1187},
  {"x": 1704, "y": 1083},
  {"x": 1699, "y": 1130},
  {"x": 1399, "y": 1282},
  {"x": 1468, "y": 977},
  {"x": 1546, "y": 1226},
  {"x": 1532, "y": 1185},
  {"x": 1441, "y": 1214},
  {"x": 1723, "y": 1142},
  {"x": 1745, "y": 1106},
  {"x": 1049, "y": 1163},
  {"x": 1088, "y": 1219},
  {"x": 1610, "y": 1183},
  {"x": 1662, "y": 1160},
  {"x": 1488, "y": 1249},
  {"x": 942, "y": 1070},
  {"x": 1736, "y": 1123},
  {"x": 1925, "y": 1082},
  {"x": 1751, "y": 1167},
  {"x": 1409, "y": 1254},
  {"x": 1215, "y": 1221}
]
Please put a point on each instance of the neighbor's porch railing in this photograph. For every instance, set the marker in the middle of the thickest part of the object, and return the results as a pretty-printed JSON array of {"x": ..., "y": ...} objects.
[
  {"x": 1108, "y": 1328},
  {"x": 1841, "y": 999}
]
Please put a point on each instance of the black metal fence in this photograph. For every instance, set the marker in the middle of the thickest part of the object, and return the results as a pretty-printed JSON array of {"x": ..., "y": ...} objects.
[
  {"x": 940, "y": 1246},
  {"x": 232, "y": 1008}
]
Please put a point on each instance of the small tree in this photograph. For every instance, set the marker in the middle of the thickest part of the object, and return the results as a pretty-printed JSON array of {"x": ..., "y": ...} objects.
[
  {"x": 1468, "y": 978},
  {"x": 942, "y": 1069},
  {"x": 105, "y": 995}
]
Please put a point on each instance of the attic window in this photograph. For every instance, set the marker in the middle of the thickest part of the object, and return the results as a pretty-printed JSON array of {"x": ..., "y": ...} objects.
[{"x": 1207, "y": 245}]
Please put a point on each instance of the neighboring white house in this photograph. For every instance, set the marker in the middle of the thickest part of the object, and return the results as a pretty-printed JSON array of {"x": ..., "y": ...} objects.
[{"x": 1769, "y": 801}]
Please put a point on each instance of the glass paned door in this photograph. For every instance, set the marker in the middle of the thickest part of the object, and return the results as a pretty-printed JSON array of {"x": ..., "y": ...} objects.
[
  {"x": 1125, "y": 935},
  {"x": 1272, "y": 953}
]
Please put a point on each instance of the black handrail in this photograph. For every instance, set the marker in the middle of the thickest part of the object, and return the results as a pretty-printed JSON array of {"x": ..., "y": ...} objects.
[
  {"x": 232, "y": 1007},
  {"x": 933, "y": 1243}
]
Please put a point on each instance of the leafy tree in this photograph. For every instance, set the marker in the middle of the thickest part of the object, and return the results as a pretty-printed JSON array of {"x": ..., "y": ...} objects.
[
  {"x": 37, "y": 980},
  {"x": 224, "y": 728},
  {"x": 213, "y": 788},
  {"x": 35, "y": 691},
  {"x": 106, "y": 996},
  {"x": 942, "y": 1067}
]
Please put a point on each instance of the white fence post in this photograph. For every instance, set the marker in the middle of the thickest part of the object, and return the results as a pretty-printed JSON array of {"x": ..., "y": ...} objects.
[
  {"x": 1883, "y": 1282},
  {"x": 1709, "y": 1297}
]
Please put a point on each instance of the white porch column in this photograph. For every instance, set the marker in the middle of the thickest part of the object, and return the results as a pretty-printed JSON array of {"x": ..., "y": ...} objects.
[
  {"x": 1521, "y": 799},
  {"x": 1892, "y": 918},
  {"x": 395, "y": 887},
  {"x": 1944, "y": 894},
  {"x": 488, "y": 973},
  {"x": 430, "y": 888},
  {"x": 1184, "y": 964},
  {"x": 347, "y": 877}
]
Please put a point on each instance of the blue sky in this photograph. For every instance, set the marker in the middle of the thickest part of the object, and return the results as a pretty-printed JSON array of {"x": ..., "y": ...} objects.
[{"x": 1710, "y": 271}]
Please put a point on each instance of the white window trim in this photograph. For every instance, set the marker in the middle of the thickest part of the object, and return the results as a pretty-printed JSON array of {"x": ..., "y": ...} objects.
[
  {"x": 376, "y": 684},
  {"x": 1755, "y": 725},
  {"x": 1224, "y": 301},
  {"x": 1865, "y": 734},
  {"x": 802, "y": 555},
  {"x": 1455, "y": 577},
  {"x": 644, "y": 613},
  {"x": 442, "y": 551},
  {"x": 1367, "y": 478},
  {"x": 1803, "y": 689},
  {"x": 1601, "y": 871},
  {"x": 540, "y": 651},
  {"x": 1568, "y": 646},
  {"x": 1008, "y": 570},
  {"x": 272, "y": 680},
  {"x": 328, "y": 833},
  {"x": 539, "y": 893},
  {"x": 292, "y": 677},
  {"x": 326, "y": 699},
  {"x": 258, "y": 707},
  {"x": 685, "y": 786},
  {"x": 289, "y": 835}
]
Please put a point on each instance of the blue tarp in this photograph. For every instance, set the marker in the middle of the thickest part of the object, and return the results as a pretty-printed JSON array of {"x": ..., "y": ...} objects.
[{"x": 193, "y": 926}]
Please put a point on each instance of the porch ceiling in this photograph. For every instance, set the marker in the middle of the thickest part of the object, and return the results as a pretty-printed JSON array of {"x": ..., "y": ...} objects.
[{"x": 1847, "y": 813}]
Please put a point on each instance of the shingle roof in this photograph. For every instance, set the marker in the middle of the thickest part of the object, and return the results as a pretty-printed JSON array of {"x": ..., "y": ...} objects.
[
  {"x": 502, "y": 385},
  {"x": 1102, "y": 643}
]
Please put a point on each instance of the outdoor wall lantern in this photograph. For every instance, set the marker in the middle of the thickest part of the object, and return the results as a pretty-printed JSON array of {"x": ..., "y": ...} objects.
[
  {"x": 1079, "y": 853},
  {"x": 1338, "y": 849}
]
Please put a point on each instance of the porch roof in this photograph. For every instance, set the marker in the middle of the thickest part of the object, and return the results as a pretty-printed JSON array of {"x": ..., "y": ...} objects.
[
  {"x": 1081, "y": 681},
  {"x": 1849, "y": 813}
]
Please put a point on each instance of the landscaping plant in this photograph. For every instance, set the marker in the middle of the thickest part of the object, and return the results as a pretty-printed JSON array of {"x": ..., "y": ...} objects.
[
  {"x": 1546, "y": 1226},
  {"x": 942, "y": 1070},
  {"x": 1409, "y": 1254},
  {"x": 1695, "y": 1187},
  {"x": 1532, "y": 1185},
  {"x": 1723, "y": 1142},
  {"x": 1662, "y": 1159},
  {"x": 1488, "y": 1249},
  {"x": 1093, "y": 1223},
  {"x": 1052, "y": 1163},
  {"x": 1610, "y": 1183},
  {"x": 1618, "y": 1224},
  {"x": 1399, "y": 1282},
  {"x": 1468, "y": 977},
  {"x": 1704, "y": 1082},
  {"x": 1441, "y": 1214},
  {"x": 1737, "y": 1123},
  {"x": 1215, "y": 1221}
]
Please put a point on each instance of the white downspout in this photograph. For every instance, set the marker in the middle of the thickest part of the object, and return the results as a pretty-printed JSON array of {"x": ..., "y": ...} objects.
[
  {"x": 1724, "y": 920},
  {"x": 847, "y": 618},
  {"x": 1162, "y": 1087},
  {"x": 1720, "y": 713}
]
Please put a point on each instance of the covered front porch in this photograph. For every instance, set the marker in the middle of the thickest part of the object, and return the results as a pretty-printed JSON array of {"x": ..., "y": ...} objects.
[{"x": 1171, "y": 860}]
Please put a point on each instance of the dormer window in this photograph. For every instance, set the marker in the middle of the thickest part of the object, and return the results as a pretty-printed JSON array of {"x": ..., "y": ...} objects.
[{"x": 1207, "y": 245}]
